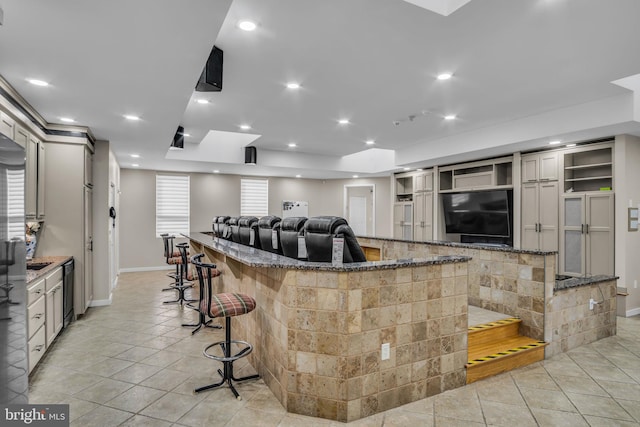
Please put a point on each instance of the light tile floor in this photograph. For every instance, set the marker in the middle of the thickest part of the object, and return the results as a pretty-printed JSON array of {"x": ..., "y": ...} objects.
[{"x": 132, "y": 364}]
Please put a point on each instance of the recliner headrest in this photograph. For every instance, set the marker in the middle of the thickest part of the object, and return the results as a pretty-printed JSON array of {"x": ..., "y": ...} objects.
[
  {"x": 233, "y": 220},
  {"x": 222, "y": 219},
  {"x": 293, "y": 223},
  {"x": 246, "y": 221},
  {"x": 324, "y": 224},
  {"x": 268, "y": 221}
]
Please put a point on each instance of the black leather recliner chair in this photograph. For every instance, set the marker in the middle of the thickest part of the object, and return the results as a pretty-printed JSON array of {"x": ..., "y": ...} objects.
[
  {"x": 219, "y": 223},
  {"x": 290, "y": 229},
  {"x": 266, "y": 228},
  {"x": 319, "y": 234},
  {"x": 234, "y": 233},
  {"x": 247, "y": 226}
]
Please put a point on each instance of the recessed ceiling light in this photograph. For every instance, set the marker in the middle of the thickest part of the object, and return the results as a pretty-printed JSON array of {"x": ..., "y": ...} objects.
[
  {"x": 450, "y": 117},
  {"x": 293, "y": 85},
  {"x": 420, "y": 170},
  {"x": 67, "y": 120},
  {"x": 247, "y": 25},
  {"x": 37, "y": 82},
  {"x": 444, "y": 76},
  {"x": 554, "y": 142},
  {"x": 571, "y": 145},
  {"x": 202, "y": 101},
  {"x": 370, "y": 142},
  {"x": 292, "y": 145},
  {"x": 135, "y": 156},
  {"x": 355, "y": 176},
  {"x": 132, "y": 118},
  {"x": 186, "y": 134},
  {"x": 343, "y": 121},
  {"x": 135, "y": 165},
  {"x": 298, "y": 176},
  {"x": 245, "y": 127},
  {"x": 407, "y": 169},
  {"x": 216, "y": 171}
]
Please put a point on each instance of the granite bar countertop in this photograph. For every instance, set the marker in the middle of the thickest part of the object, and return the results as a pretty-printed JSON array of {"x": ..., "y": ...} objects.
[
  {"x": 55, "y": 261},
  {"x": 258, "y": 258},
  {"x": 482, "y": 246},
  {"x": 576, "y": 282}
]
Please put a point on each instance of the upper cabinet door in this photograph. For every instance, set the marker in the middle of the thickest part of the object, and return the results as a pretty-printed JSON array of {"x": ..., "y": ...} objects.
[
  {"x": 40, "y": 187},
  {"x": 88, "y": 168},
  {"x": 548, "y": 166},
  {"x": 530, "y": 168},
  {"x": 7, "y": 125},
  {"x": 31, "y": 184}
]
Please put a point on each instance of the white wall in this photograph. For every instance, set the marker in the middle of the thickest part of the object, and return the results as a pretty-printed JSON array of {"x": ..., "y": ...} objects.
[
  {"x": 218, "y": 194},
  {"x": 627, "y": 194}
]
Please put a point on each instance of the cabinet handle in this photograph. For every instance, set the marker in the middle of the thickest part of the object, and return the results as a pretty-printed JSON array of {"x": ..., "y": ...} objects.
[
  {"x": 582, "y": 228},
  {"x": 587, "y": 228},
  {"x": 39, "y": 291},
  {"x": 38, "y": 315},
  {"x": 39, "y": 347}
]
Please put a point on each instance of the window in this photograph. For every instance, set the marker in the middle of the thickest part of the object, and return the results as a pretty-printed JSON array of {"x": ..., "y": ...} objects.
[
  {"x": 172, "y": 204},
  {"x": 15, "y": 203},
  {"x": 254, "y": 197}
]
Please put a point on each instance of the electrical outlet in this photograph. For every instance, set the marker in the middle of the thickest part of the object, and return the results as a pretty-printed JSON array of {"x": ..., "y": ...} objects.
[
  {"x": 592, "y": 303},
  {"x": 385, "y": 351}
]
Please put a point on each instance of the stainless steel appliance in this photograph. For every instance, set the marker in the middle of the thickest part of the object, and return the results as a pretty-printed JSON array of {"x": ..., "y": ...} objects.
[
  {"x": 14, "y": 367},
  {"x": 67, "y": 279}
]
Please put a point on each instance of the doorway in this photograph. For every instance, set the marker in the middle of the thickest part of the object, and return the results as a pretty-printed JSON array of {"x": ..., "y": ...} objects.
[{"x": 359, "y": 208}]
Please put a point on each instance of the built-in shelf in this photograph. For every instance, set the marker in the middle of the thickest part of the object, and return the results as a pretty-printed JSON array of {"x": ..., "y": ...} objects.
[
  {"x": 588, "y": 169},
  {"x": 486, "y": 174}
]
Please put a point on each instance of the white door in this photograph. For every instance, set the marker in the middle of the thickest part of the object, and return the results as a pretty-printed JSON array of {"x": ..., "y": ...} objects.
[{"x": 358, "y": 215}]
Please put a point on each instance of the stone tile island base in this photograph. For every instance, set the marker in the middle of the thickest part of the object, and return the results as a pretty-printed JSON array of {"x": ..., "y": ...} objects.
[{"x": 317, "y": 331}]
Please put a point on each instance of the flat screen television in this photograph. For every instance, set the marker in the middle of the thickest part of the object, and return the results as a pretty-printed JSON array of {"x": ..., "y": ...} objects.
[{"x": 480, "y": 213}]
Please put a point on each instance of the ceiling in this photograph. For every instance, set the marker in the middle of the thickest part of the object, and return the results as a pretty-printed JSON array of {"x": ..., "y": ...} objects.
[{"x": 524, "y": 73}]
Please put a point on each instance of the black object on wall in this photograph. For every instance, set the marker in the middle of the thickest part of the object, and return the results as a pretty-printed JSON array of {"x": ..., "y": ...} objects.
[
  {"x": 211, "y": 77},
  {"x": 250, "y": 155}
]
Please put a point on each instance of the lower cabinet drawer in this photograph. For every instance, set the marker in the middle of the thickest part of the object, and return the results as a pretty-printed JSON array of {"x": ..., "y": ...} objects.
[
  {"x": 36, "y": 316},
  {"x": 37, "y": 347}
]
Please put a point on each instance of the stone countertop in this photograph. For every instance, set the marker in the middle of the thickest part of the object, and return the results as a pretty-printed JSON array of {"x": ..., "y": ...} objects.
[
  {"x": 258, "y": 258},
  {"x": 576, "y": 282},
  {"x": 56, "y": 261},
  {"x": 482, "y": 246}
]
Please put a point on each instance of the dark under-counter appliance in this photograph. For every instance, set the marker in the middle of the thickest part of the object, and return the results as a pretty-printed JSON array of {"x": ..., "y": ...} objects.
[{"x": 67, "y": 283}]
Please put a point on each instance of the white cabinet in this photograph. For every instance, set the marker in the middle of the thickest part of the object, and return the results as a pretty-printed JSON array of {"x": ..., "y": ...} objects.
[
  {"x": 403, "y": 220},
  {"x": 34, "y": 183},
  {"x": 36, "y": 317},
  {"x": 7, "y": 125},
  {"x": 423, "y": 210},
  {"x": 54, "y": 304},
  {"x": 88, "y": 168},
  {"x": 540, "y": 216},
  {"x": 589, "y": 169},
  {"x": 540, "y": 167},
  {"x": 423, "y": 181},
  {"x": 587, "y": 242}
]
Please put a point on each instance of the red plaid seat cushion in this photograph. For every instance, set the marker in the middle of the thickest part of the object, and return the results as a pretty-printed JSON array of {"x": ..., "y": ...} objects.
[
  {"x": 231, "y": 304},
  {"x": 174, "y": 260}
]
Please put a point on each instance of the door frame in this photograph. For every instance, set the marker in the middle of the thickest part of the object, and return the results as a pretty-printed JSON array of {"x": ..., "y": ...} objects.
[{"x": 345, "y": 201}]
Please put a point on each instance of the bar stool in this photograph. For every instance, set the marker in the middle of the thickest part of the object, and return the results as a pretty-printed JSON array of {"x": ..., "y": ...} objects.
[
  {"x": 224, "y": 305},
  {"x": 171, "y": 257},
  {"x": 182, "y": 282},
  {"x": 205, "y": 283}
]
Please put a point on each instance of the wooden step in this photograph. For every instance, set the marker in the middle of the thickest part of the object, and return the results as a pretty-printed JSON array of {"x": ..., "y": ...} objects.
[
  {"x": 488, "y": 359},
  {"x": 493, "y": 332}
]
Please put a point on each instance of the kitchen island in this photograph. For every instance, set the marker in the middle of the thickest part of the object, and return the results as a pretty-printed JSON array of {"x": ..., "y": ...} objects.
[{"x": 318, "y": 329}]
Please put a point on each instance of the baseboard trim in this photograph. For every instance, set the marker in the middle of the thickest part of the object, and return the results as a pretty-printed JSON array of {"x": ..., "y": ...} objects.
[
  {"x": 633, "y": 312},
  {"x": 101, "y": 302},
  {"x": 137, "y": 269}
]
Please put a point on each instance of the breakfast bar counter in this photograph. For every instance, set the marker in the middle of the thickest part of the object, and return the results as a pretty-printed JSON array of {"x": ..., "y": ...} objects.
[{"x": 318, "y": 329}]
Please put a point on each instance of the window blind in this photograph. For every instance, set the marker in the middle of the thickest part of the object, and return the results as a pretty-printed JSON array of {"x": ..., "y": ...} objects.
[
  {"x": 15, "y": 203},
  {"x": 172, "y": 204},
  {"x": 254, "y": 197}
]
